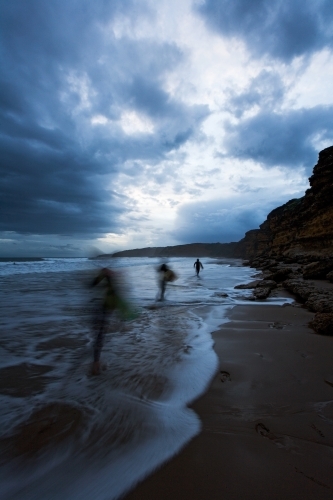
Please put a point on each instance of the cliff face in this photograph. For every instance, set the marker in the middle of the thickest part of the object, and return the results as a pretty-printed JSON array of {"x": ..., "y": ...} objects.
[
  {"x": 300, "y": 227},
  {"x": 295, "y": 245}
]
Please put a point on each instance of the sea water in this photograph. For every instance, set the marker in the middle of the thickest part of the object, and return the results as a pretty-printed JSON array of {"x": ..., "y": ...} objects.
[{"x": 134, "y": 415}]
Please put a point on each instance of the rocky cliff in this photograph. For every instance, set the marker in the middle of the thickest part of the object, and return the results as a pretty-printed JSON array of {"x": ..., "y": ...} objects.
[
  {"x": 295, "y": 245},
  {"x": 302, "y": 227}
]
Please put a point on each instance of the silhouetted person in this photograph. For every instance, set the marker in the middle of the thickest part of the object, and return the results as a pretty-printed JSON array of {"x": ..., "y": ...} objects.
[{"x": 197, "y": 264}]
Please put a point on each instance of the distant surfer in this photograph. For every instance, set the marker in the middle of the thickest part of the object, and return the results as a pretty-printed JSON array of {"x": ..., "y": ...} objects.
[{"x": 197, "y": 264}]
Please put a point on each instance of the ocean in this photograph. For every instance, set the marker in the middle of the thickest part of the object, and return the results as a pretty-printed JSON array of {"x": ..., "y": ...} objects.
[{"x": 68, "y": 434}]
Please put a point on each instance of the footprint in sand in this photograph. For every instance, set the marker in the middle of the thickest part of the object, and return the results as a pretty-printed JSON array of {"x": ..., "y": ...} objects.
[
  {"x": 305, "y": 354},
  {"x": 281, "y": 442},
  {"x": 317, "y": 430},
  {"x": 312, "y": 478},
  {"x": 262, "y": 430},
  {"x": 225, "y": 376},
  {"x": 277, "y": 325}
]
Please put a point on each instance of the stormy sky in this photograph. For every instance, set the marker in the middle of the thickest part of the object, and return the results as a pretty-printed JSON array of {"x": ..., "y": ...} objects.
[{"x": 133, "y": 123}]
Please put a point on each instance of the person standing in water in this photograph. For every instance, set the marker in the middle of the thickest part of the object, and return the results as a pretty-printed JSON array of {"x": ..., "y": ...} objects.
[{"x": 197, "y": 264}]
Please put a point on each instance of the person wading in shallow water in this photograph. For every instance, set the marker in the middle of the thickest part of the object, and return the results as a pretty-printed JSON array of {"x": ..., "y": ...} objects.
[
  {"x": 113, "y": 300},
  {"x": 162, "y": 270},
  {"x": 165, "y": 275},
  {"x": 109, "y": 304},
  {"x": 197, "y": 264}
]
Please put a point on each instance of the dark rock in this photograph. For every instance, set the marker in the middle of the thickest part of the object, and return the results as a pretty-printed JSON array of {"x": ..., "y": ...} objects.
[
  {"x": 261, "y": 293},
  {"x": 248, "y": 286},
  {"x": 282, "y": 274},
  {"x": 322, "y": 323},
  {"x": 318, "y": 270},
  {"x": 299, "y": 288},
  {"x": 329, "y": 276},
  {"x": 268, "y": 264},
  {"x": 320, "y": 301},
  {"x": 273, "y": 269},
  {"x": 258, "y": 263},
  {"x": 316, "y": 299},
  {"x": 267, "y": 284}
]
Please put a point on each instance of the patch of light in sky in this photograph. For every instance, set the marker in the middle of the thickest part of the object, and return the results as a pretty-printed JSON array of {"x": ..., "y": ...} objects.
[
  {"x": 313, "y": 86},
  {"x": 80, "y": 85},
  {"x": 99, "y": 120},
  {"x": 135, "y": 123},
  {"x": 321, "y": 143}
]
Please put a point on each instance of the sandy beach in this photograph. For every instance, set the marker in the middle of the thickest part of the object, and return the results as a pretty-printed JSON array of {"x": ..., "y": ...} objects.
[{"x": 267, "y": 418}]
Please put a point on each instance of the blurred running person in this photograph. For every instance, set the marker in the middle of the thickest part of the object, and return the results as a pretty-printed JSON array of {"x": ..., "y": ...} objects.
[
  {"x": 165, "y": 275},
  {"x": 102, "y": 313}
]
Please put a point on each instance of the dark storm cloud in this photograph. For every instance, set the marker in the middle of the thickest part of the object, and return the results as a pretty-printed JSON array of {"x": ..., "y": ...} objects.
[
  {"x": 276, "y": 139},
  {"x": 281, "y": 29},
  {"x": 221, "y": 220},
  {"x": 50, "y": 193},
  {"x": 61, "y": 66}
]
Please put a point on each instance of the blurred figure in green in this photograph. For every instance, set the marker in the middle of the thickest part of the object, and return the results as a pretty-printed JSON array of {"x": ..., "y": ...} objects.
[
  {"x": 162, "y": 270},
  {"x": 112, "y": 301},
  {"x": 165, "y": 275}
]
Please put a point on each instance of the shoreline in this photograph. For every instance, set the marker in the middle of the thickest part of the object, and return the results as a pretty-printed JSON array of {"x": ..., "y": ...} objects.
[{"x": 267, "y": 417}]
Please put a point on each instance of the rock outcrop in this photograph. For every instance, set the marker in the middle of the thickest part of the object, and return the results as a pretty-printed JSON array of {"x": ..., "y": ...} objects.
[
  {"x": 295, "y": 245},
  {"x": 302, "y": 228}
]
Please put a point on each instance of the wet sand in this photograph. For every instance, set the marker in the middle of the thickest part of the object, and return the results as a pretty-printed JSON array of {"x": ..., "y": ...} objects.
[{"x": 267, "y": 418}]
